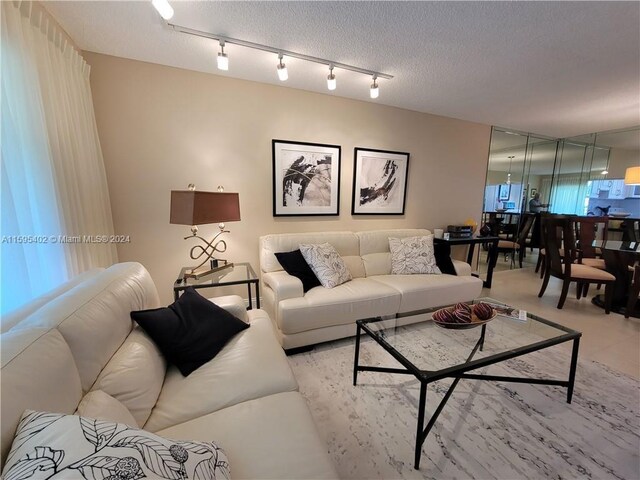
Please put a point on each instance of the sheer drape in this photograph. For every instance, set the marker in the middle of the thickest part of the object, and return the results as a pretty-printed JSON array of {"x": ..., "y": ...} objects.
[
  {"x": 568, "y": 195},
  {"x": 53, "y": 178}
]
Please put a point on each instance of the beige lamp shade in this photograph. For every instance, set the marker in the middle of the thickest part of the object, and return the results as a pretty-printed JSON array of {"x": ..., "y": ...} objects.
[
  {"x": 190, "y": 207},
  {"x": 632, "y": 176}
]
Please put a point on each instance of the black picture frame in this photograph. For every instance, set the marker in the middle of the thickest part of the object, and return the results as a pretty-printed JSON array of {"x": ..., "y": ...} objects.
[
  {"x": 313, "y": 190},
  {"x": 370, "y": 167},
  {"x": 504, "y": 192}
]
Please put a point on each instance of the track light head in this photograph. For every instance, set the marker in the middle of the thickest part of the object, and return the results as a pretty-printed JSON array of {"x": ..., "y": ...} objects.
[
  {"x": 223, "y": 59},
  {"x": 283, "y": 74},
  {"x": 164, "y": 9},
  {"x": 374, "y": 91},
  {"x": 331, "y": 79}
]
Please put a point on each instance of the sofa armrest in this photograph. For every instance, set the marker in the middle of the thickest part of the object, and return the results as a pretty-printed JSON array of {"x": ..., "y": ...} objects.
[
  {"x": 462, "y": 268},
  {"x": 283, "y": 285},
  {"x": 234, "y": 305}
]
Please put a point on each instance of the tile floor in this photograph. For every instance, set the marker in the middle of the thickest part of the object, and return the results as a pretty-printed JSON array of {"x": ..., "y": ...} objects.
[{"x": 608, "y": 339}]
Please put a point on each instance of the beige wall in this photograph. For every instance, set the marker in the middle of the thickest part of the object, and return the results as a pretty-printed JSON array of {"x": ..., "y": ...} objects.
[
  {"x": 622, "y": 159},
  {"x": 162, "y": 128}
]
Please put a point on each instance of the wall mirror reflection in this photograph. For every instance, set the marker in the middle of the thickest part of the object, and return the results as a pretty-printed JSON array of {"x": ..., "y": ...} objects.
[{"x": 530, "y": 175}]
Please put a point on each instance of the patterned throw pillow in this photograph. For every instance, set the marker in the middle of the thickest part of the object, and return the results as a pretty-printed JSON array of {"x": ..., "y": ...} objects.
[
  {"x": 326, "y": 263},
  {"x": 68, "y": 446},
  {"x": 413, "y": 255}
]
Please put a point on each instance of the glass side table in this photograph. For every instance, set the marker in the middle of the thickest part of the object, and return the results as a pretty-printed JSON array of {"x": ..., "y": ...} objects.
[{"x": 239, "y": 274}]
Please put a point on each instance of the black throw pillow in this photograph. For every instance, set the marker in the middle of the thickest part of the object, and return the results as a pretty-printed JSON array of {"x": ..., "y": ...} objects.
[
  {"x": 190, "y": 331},
  {"x": 442, "y": 253},
  {"x": 295, "y": 265}
]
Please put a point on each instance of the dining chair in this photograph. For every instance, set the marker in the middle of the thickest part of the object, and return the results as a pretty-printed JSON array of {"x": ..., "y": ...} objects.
[
  {"x": 540, "y": 264},
  {"x": 629, "y": 228},
  {"x": 558, "y": 232},
  {"x": 634, "y": 292},
  {"x": 587, "y": 230},
  {"x": 520, "y": 241}
]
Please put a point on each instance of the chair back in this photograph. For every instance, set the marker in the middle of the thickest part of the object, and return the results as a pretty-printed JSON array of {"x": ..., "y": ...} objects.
[
  {"x": 629, "y": 228},
  {"x": 589, "y": 229},
  {"x": 557, "y": 233},
  {"x": 526, "y": 222}
]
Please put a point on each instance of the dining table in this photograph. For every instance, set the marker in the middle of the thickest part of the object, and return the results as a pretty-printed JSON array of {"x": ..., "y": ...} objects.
[{"x": 618, "y": 257}]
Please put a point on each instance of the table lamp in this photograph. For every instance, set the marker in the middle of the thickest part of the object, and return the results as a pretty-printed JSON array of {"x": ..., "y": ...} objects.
[{"x": 192, "y": 207}]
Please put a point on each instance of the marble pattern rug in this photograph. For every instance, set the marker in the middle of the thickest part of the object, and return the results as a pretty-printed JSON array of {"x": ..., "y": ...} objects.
[{"x": 487, "y": 429}]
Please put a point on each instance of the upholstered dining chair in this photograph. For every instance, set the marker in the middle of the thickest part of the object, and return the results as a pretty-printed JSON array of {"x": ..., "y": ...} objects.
[
  {"x": 634, "y": 292},
  {"x": 540, "y": 265},
  {"x": 520, "y": 242},
  {"x": 558, "y": 232},
  {"x": 587, "y": 230}
]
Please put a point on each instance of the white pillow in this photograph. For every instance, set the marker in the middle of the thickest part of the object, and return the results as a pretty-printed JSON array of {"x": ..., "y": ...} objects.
[
  {"x": 326, "y": 263},
  {"x": 102, "y": 406},
  {"x": 413, "y": 255},
  {"x": 73, "y": 447}
]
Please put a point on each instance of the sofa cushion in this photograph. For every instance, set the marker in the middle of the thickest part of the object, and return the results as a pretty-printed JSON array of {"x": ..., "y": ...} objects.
[
  {"x": 38, "y": 372},
  {"x": 426, "y": 291},
  {"x": 346, "y": 244},
  {"x": 377, "y": 263},
  {"x": 71, "y": 447},
  {"x": 190, "y": 331},
  {"x": 377, "y": 241},
  {"x": 102, "y": 406},
  {"x": 251, "y": 365},
  {"x": 272, "y": 437},
  {"x": 442, "y": 252},
  {"x": 295, "y": 265},
  {"x": 413, "y": 255},
  {"x": 346, "y": 303},
  {"x": 326, "y": 263},
  {"x": 134, "y": 375},
  {"x": 93, "y": 317}
]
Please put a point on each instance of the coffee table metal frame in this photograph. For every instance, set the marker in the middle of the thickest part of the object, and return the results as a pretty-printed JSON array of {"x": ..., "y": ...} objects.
[{"x": 425, "y": 377}]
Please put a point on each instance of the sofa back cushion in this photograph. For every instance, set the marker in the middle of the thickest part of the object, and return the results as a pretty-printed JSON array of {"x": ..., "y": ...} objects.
[
  {"x": 134, "y": 375},
  {"x": 345, "y": 243},
  {"x": 374, "y": 248},
  {"x": 38, "y": 372},
  {"x": 93, "y": 317}
]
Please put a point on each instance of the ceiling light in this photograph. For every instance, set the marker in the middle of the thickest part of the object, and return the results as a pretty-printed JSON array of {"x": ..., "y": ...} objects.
[
  {"x": 604, "y": 172},
  {"x": 331, "y": 79},
  {"x": 282, "y": 70},
  {"x": 163, "y": 8},
  {"x": 375, "y": 91},
  {"x": 223, "y": 59}
]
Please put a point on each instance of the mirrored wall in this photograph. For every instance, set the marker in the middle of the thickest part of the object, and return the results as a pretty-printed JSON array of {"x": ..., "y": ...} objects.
[{"x": 582, "y": 175}]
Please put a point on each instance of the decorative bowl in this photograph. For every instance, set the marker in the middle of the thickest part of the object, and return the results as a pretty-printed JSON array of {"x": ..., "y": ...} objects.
[
  {"x": 619, "y": 214},
  {"x": 475, "y": 321}
]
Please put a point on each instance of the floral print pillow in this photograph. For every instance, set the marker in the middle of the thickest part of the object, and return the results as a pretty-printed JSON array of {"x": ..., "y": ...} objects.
[
  {"x": 326, "y": 263},
  {"x": 412, "y": 255},
  {"x": 57, "y": 446}
]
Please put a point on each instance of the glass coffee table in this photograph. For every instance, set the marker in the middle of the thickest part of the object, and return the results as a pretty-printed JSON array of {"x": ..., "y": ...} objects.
[{"x": 431, "y": 353}]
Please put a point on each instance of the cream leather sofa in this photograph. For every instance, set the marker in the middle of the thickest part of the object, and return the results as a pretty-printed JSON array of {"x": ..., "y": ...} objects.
[
  {"x": 244, "y": 399},
  {"x": 325, "y": 314}
]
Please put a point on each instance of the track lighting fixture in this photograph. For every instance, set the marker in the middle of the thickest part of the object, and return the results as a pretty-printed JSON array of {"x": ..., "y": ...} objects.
[
  {"x": 166, "y": 12},
  {"x": 223, "y": 59},
  {"x": 163, "y": 8},
  {"x": 375, "y": 91},
  {"x": 331, "y": 79},
  {"x": 282, "y": 70}
]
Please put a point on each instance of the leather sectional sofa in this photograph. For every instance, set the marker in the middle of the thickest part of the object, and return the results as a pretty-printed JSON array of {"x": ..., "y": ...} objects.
[
  {"x": 245, "y": 399},
  {"x": 323, "y": 314}
]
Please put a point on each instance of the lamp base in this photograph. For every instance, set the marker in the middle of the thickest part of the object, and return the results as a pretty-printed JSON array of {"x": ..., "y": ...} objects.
[{"x": 197, "y": 274}]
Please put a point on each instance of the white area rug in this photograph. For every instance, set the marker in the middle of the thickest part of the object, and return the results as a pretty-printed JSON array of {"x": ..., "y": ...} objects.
[{"x": 486, "y": 430}]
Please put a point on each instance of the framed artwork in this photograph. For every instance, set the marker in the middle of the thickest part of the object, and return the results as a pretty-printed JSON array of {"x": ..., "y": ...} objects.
[
  {"x": 379, "y": 182},
  {"x": 306, "y": 179},
  {"x": 533, "y": 192},
  {"x": 504, "y": 192}
]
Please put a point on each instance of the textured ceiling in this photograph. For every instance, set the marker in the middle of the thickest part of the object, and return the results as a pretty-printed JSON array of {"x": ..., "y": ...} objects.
[{"x": 554, "y": 68}]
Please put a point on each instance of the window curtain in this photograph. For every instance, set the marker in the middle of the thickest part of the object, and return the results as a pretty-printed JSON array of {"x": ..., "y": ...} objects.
[
  {"x": 568, "y": 195},
  {"x": 54, "y": 196}
]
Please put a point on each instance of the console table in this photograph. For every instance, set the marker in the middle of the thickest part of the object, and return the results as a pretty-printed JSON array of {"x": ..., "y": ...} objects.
[{"x": 472, "y": 241}]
